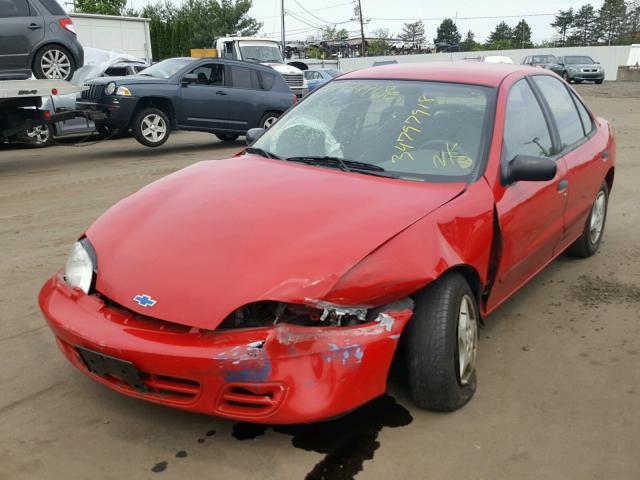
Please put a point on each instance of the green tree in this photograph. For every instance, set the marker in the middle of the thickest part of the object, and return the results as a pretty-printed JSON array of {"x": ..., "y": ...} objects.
[
  {"x": 501, "y": 38},
  {"x": 469, "y": 43},
  {"x": 332, "y": 33},
  {"x": 447, "y": 33},
  {"x": 562, "y": 23},
  {"x": 522, "y": 35},
  {"x": 381, "y": 43},
  {"x": 413, "y": 33},
  {"x": 583, "y": 27},
  {"x": 102, "y": 7},
  {"x": 633, "y": 22},
  {"x": 611, "y": 21}
]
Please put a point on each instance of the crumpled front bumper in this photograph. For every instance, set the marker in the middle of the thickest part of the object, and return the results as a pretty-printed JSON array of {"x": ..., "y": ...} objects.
[{"x": 281, "y": 374}]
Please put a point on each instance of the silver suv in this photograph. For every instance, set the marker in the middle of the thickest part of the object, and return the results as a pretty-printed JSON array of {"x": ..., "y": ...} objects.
[{"x": 37, "y": 36}]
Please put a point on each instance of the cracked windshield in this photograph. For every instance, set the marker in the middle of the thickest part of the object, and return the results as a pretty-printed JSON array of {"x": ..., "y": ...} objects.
[{"x": 411, "y": 130}]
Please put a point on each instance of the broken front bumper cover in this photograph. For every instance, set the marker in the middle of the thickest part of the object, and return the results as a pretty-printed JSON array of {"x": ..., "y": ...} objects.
[{"x": 280, "y": 374}]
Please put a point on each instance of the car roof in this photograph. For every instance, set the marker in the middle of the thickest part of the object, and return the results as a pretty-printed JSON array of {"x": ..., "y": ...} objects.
[
  {"x": 479, "y": 73},
  {"x": 229, "y": 61}
]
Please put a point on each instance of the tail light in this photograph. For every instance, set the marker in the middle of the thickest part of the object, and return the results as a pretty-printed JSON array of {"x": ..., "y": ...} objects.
[
  {"x": 67, "y": 24},
  {"x": 295, "y": 99}
]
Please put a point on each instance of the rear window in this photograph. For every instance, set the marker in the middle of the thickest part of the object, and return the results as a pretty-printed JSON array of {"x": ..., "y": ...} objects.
[
  {"x": 14, "y": 8},
  {"x": 53, "y": 7}
]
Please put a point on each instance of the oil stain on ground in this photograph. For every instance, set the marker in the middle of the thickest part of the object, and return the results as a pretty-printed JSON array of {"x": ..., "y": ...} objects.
[
  {"x": 594, "y": 291},
  {"x": 346, "y": 442}
]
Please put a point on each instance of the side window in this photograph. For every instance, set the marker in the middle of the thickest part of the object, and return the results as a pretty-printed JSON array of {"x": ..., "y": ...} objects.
[
  {"x": 116, "y": 72},
  {"x": 14, "y": 8},
  {"x": 267, "y": 80},
  {"x": 53, "y": 7},
  {"x": 587, "y": 122},
  {"x": 242, "y": 77},
  {"x": 525, "y": 130},
  {"x": 228, "y": 50},
  {"x": 311, "y": 75},
  {"x": 210, "y": 74},
  {"x": 562, "y": 107}
]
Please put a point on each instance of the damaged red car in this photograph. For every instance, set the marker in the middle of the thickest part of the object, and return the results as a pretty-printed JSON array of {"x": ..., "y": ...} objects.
[{"x": 395, "y": 205}]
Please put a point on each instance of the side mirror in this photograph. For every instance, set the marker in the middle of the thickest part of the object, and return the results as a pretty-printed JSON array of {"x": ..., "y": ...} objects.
[
  {"x": 253, "y": 134},
  {"x": 529, "y": 168},
  {"x": 189, "y": 78}
]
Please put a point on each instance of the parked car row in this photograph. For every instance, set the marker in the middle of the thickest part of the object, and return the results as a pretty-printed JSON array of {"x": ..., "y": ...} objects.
[{"x": 573, "y": 68}]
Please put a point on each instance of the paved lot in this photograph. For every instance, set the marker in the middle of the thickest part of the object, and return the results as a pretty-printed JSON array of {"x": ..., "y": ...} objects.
[{"x": 559, "y": 364}]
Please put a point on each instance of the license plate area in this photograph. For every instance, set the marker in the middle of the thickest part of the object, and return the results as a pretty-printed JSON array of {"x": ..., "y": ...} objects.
[{"x": 111, "y": 367}]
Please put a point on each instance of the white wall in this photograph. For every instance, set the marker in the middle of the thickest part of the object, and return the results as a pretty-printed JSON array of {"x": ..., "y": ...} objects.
[
  {"x": 107, "y": 33},
  {"x": 609, "y": 57}
]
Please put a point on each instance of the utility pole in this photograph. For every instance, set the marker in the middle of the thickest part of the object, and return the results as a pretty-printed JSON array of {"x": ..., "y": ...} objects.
[
  {"x": 282, "y": 26},
  {"x": 364, "y": 52}
]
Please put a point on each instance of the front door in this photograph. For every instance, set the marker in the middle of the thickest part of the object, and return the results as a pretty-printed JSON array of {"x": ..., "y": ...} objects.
[
  {"x": 205, "y": 103},
  {"x": 20, "y": 27},
  {"x": 530, "y": 214}
]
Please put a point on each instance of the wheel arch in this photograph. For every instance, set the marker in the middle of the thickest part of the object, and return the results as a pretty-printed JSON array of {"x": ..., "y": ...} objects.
[
  {"x": 609, "y": 178},
  {"x": 161, "y": 103},
  {"x": 35, "y": 51}
]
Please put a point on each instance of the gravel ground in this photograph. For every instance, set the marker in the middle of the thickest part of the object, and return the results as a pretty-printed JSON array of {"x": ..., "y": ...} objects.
[{"x": 559, "y": 364}]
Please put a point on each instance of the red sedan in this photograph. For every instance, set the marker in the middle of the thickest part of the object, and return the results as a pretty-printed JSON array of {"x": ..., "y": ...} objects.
[{"x": 395, "y": 205}]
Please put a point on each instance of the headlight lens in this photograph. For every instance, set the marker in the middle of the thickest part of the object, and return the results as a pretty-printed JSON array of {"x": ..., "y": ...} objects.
[
  {"x": 124, "y": 91},
  {"x": 79, "y": 269},
  {"x": 110, "y": 88}
]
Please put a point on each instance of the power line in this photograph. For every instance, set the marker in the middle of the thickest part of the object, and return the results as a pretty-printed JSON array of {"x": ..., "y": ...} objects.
[
  {"x": 309, "y": 12},
  {"x": 466, "y": 18}
]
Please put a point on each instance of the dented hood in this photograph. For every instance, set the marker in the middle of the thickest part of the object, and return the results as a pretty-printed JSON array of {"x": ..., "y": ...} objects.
[{"x": 220, "y": 234}]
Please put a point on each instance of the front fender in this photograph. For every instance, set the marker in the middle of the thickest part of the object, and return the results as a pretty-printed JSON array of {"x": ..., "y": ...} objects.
[{"x": 459, "y": 233}]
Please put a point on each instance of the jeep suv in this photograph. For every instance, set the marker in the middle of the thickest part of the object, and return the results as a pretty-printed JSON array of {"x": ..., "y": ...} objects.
[
  {"x": 37, "y": 36},
  {"x": 216, "y": 95}
]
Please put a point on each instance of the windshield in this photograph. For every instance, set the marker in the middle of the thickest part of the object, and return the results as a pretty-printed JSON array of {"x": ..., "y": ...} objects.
[
  {"x": 581, "y": 60},
  {"x": 543, "y": 58},
  {"x": 166, "y": 68},
  {"x": 261, "y": 53},
  {"x": 412, "y": 129}
]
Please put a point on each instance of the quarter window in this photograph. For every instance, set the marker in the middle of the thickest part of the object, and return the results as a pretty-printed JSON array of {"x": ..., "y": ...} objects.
[
  {"x": 14, "y": 8},
  {"x": 53, "y": 7},
  {"x": 267, "y": 80},
  {"x": 563, "y": 109},
  {"x": 525, "y": 131}
]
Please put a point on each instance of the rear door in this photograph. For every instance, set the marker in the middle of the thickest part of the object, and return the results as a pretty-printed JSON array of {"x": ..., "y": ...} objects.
[
  {"x": 21, "y": 27},
  {"x": 245, "y": 98},
  {"x": 204, "y": 104},
  {"x": 575, "y": 127},
  {"x": 530, "y": 213}
]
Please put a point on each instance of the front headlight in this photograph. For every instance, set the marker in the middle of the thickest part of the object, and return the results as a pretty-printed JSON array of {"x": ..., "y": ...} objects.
[
  {"x": 80, "y": 266},
  {"x": 124, "y": 91},
  {"x": 110, "y": 88},
  {"x": 572, "y": 69}
]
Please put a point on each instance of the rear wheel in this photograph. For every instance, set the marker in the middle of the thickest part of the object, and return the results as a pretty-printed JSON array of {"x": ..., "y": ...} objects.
[
  {"x": 53, "y": 62},
  {"x": 151, "y": 127},
  {"x": 588, "y": 243},
  {"x": 600, "y": 81},
  {"x": 39, "y": 136},
  {"x": 269, "y": 119},
  {"x": 227, "y": 137},
  {"x": 442, "y": 340}
]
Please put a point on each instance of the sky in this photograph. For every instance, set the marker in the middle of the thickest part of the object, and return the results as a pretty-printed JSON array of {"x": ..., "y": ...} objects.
[{"x": 391, "y": 15}]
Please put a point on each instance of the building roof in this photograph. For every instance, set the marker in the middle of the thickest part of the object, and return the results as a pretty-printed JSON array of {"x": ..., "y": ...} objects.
[{"x": 490, "y": 74}]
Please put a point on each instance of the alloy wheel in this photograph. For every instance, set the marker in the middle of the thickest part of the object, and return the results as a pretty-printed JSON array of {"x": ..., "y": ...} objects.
[
  {"x": 467, "y": 339},
  {"x": 269, "y": 121},
  {"x": 39, "y": 135},
  {"x": 154, "y": 128},
  {"x": 596, "y": 223},
  {"x": 55, "y": 64}
]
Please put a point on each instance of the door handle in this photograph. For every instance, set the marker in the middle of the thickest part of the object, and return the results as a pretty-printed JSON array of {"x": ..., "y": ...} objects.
[
  {"x": 220, "y": 92},
  {"x": 605, "y": 154},
  {"x": 34, "y": 26},
  {"x": 563, "y": 185}
]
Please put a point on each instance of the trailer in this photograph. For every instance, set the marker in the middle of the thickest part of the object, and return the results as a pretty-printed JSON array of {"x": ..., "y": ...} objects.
[{"x": 20, "y": 102}]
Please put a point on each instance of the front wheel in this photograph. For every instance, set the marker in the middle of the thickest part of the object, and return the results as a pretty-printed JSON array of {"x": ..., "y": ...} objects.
[
  {"x": 151, "y": 127},
  {"x": 442, "y": 340},
  {"x": 227, "y": 137},
  {"x": 39, "y": 136},
  {"x": 588, "y": 243},
  {"x": 599, "y": 82},
  {"x": 566, "y": 77}
]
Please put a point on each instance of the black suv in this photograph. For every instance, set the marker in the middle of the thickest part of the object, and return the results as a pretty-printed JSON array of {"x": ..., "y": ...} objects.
[
  {"x": 37, "y": 36},
  {"x": 224, "y": 97}
]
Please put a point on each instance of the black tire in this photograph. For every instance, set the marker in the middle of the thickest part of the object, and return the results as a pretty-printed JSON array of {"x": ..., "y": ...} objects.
[
  {"x": 587, "y": 245},
  {"x": 144, "y": 120},
  {"x": 107, "y": 131},
  {"x": 227, "y": 137},
  {"x": 61, "y": 69},
  {"x": 432, "y": 345},
  {"x": 268, "y": 119},
  {"x": 566, "y": 77},
  {"x": 38, "y": 137},
  {"x": 599, "y": 82}
]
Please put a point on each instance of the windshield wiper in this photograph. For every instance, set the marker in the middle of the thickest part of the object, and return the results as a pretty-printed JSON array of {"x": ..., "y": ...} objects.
[
  {"x": 344, "y": 165},
  {"x": 261, "y": 152}
]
